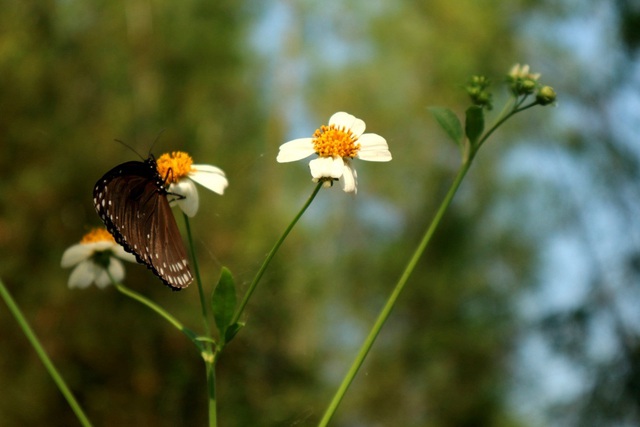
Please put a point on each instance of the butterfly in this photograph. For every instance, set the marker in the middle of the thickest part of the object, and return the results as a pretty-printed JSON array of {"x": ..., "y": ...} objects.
[{"x": 132, "y": 201}]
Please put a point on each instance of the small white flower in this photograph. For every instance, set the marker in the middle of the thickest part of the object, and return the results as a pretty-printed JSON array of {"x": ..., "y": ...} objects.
[
  {"x": 336, "y": 145},
  {"x": 178, "y": 169},
  {"x": 522, "y": 72},
  {"x": 96, "y": 254}
]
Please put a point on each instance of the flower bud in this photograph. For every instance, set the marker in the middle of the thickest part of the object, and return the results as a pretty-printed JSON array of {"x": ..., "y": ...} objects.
[
  {"x": 527, "y": 86},
  {"x": 522, "y": 81},
  {"x": 477, "y": 91},
  {"x": 546, "y": 95}
]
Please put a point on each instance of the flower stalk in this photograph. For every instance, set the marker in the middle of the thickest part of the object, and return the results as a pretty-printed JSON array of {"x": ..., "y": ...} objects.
[
  {"x": 196, "y": 269},
  {"x": 271, "y": 254},
  {"x": 44, "y": 357},
  {"x": 476, "y": 138},
  {"x": 159, "y": 310},
  {"x": 393, "y": 297},
  {"x": 207, "y": 346}
]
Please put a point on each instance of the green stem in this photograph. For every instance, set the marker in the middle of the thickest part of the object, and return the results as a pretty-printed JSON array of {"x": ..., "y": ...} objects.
[
  {"x": 511, "y": 108},
  {"x": 211, "y": 388},
  {"x": 161, "y": 311},
  {"x": 33, "y": 339},
  {"x": 386, "y": 310},
  {"x": 504, "y": 116},
  {"x": 207, "y": 346},
  {"x": 203, "y": 299},
  {"x": 275, "y": 248}
]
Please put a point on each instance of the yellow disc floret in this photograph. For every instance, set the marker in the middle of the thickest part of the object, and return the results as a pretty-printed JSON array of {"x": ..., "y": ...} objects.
[
  {"x": 331, "y": 141},
  {"x": 97, "y": 235},
  {"x": 178, "y": 162}
]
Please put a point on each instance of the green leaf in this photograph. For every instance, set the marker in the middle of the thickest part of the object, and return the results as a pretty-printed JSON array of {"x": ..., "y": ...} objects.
[
  {"x": 474, "y": 125},
  {"x": 232, "y": 330},
  {"x": 449, "y": 122},
  {"x": 223, "y": 301}
]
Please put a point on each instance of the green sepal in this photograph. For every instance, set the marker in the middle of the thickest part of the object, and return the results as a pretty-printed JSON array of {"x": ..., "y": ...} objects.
[
  {"x": 449, "y": 122},
  {"x": 223, "y": 301},
  {"x": 474, "y": 124}
]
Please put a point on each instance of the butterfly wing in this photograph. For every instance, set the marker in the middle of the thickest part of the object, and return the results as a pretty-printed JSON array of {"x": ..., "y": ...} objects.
[{"x": 132, "y": 202}]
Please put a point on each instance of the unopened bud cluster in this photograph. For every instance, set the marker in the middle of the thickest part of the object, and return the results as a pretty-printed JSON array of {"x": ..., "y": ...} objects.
[
  {"x": 477, "y": 90},
  {"x": 522, "y": 82}
]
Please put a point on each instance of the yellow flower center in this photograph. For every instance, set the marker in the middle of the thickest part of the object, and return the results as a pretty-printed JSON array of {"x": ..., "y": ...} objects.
[
  {"x": 330, "y": 141},
  {"x": 97, "y": 235},
  {"x": 178, "y": 162}
]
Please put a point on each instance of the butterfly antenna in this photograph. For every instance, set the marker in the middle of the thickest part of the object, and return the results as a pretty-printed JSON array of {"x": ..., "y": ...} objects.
[
  {"x": 154, "y": 142},
  {"x": 129, "y": 147}
]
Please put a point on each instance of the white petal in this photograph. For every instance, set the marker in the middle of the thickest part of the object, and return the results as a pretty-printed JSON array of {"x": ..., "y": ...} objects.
[
  {"x": 82, "y": 275},
  {"x": 515, "y": 71},
  {"x": 346, "y": 120},
  {"x": 122, "y": 254},
  {"x": 75, "y": 254},
  {"x": 209, "y": 177},
  {"x": 116, "y": 269},
  {"x": 349, "y": 179},
  {"x": 326, "y": 167},
  {"x": 294, "y": 150},
  {"x": 190, "y": 202},
  {"x": 102, "y": 245},
  {"x": 102, "y": 279},
  {"x": 207, "y": 168},
  {"x": 373, "y": 148}
]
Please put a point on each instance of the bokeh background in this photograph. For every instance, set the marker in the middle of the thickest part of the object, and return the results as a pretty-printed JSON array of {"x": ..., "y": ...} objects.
[{"x": 524, "y": 311}]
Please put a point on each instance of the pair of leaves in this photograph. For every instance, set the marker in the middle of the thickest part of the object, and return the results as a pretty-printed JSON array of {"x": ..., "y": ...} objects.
[
  {"x": 223, "y": 304},
  {"x": 449, "y": 122}
]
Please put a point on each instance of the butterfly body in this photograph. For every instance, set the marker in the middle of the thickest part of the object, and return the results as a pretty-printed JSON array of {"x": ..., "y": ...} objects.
[{"x": 131, "y": 200}]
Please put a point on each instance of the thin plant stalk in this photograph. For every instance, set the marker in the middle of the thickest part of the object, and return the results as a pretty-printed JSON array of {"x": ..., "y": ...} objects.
[
  {"x": 161, "y": 311},
  {"x": 505, "y": 115},
  {"x": 271, "y": 254},
  {"x": 207, "y": 353},
  {"x": 397, "y": 290},
  {"x": 35, "y": 342},
  {"x": 508, "y": 112},
  {"x": 211, "y": 389},
  {"x": 210, "y": 357},
  {"x": 203, "y": 299}
]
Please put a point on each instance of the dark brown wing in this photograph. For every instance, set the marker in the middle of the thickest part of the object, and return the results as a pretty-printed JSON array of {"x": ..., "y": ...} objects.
[{"x": 132, "y": 202}]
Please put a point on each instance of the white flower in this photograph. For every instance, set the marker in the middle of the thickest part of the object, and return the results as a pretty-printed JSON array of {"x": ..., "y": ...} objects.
[
  {"x": 522, "y": 72},
  {"x": 178, "y": 169},
  {"x": 96, "y": 254},
  {"x": 522, "y": 81},
  {"x": 336, "y": 145}
]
